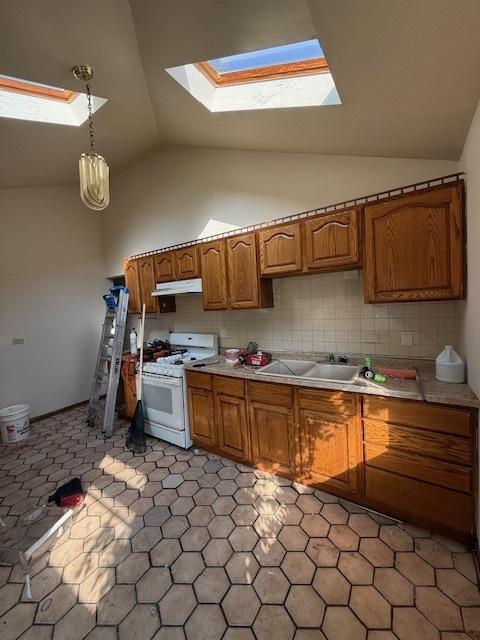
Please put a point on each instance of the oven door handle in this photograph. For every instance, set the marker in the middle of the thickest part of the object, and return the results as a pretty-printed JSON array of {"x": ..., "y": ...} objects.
[{"x": 164, "y": 380}]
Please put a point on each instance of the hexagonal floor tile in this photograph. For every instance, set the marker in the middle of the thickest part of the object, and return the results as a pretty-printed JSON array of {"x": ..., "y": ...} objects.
[
  {"x": 434, "y": 553},
  {"x": 177, "y": 605},
  {"x": 376, "y": 552},
  {"x": 243, "y": 538},
  {"x": 165, "y": 552},
  {"x": 355, "y": 568},
  {"x": 344, "y": 538},
  {"x": 416, "y": 570},
  {"x": 267, "y": 526},
  {"x": 195, "y": 539},
  {"x": 458, "y": 588},
  {"x": 187, "y": 567},
  {"x": 221, "y": 526},
  {"x": 289, "y": 514},
  {"x": 340, "y": 623},
  {"x": 269, "y": 552},
  {"x": 153, "y": 585},
  {"x": 273, "y": 623},
  {"x": 118, "y": 602},
  {"x": 241, "y": 605},
  {"x": 335, "y": 514},
  {"x": 200, "y": 516},
  {"x": 298, "y": 567},
  {"x": 305, "y": 606},
  {"x": 206, "y": 623},
  {"x": 332, "y": 586},
  {"x": 211, "y": 585},
  {"x": 394, "y": 587},
  {"x": 242, "y": 568},
  {"x": 132, "y": 568},
  {"x": 411, "y": 624},
  {"x": 439, "y": 609},
  {"x": 141, "y": 622},
  {"x": 371, "y": 607},
  {"x": 396, "y": 538},
  {"x": 322, "y": 552},
  {"x": 217, "y": 552},
  {"x": 271, "y": 585}
]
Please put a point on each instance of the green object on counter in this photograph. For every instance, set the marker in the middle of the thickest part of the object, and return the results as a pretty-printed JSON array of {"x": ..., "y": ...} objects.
[
  {"x": 368, "y": 361},
  {"x": 379, "y": 378}
]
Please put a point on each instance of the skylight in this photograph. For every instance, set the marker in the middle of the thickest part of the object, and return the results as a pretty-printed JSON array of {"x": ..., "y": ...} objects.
[
  {"x": 27, "y": 100},
  {"x": 285, "y": 54},
  {"x": 291, "y": 75}
]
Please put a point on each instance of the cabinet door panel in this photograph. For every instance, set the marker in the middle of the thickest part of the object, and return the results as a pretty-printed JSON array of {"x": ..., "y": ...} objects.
[
  {"x": 164, "y": 268},
  {"x": 242, "y": 272},
  {"x": 272, "y": 433},
  {"x": 202, "y": 421},
  {"x": 231, "y": 421},
  {"x": 280, "y": 249},
  {"x": 331, "y": 453},
  {"x": 133, "y": 284},
  {"x": 147, "y": 283},
  {"x": 186, "y": 263},
  {"x": 214, "y": 275},
  {"x": 332, "y": 241},
  {"x": 414, "y": 246}
]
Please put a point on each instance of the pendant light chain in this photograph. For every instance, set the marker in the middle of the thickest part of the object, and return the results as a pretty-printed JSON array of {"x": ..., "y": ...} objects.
[{"x": 90, "y": 119}]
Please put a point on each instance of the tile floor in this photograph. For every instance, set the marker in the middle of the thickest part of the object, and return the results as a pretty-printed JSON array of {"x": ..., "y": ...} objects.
[{"x": 180, "y": 544}]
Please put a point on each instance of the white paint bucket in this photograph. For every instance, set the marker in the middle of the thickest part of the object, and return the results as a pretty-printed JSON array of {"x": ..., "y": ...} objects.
[{"x": 15, "y": 423}]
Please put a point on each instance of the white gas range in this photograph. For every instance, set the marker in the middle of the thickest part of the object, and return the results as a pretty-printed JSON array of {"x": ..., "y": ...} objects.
[{"x": 164, "y": 388}]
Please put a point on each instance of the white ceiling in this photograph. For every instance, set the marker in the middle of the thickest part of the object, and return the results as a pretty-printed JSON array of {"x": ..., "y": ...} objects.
[{"x": 408, "y": 74}]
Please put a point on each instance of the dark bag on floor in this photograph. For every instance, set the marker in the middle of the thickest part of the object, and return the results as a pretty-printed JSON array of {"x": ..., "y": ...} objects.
[{"x": 69, "y": 494}]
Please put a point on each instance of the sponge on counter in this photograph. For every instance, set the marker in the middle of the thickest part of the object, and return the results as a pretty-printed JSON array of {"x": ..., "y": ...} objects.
[{"x": 409, "y": 374}]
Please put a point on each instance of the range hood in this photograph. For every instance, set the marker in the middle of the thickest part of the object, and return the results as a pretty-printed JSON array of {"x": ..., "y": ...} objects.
[{"x": 177, "y": 287}]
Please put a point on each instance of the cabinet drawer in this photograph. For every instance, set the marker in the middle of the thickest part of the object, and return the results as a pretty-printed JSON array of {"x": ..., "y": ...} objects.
[
  {"x": 439, "y": 472},
  {"x": 419, "y": 442},
  {"x": 229, "y": 386},
  {"x": 277, "y": 394},
  {"x": 418, "y": 414},
  {"x": 419, "y": 501},
  {"x": 336, "y": 402},
  {"x": 199, "y": 380}
]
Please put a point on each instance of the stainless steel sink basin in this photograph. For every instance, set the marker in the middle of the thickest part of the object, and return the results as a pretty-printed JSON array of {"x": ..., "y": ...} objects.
[
  {"x": 333, "y": 373},
  {"x": 286, "y": 367},
  {"x": 311, "y": 370}
]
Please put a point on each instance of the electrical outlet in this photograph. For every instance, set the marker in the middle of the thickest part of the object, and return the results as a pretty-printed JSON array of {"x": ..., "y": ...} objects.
[
  {"x": 18, "y": 341},
  {"x": 406, "y": 338}
]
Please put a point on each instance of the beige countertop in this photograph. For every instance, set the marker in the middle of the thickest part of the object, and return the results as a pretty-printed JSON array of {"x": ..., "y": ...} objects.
[{"x": 425, "y": 388}]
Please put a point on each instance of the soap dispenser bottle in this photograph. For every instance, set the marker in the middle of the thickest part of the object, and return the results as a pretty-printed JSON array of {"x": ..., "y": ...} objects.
[{"x": 450, "y": 366}]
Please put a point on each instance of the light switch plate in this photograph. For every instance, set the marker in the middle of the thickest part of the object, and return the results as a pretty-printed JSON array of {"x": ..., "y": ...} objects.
[{"x": 406, "y": 338}]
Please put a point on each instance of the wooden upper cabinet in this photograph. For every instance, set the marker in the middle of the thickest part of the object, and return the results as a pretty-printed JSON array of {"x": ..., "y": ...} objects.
[
  {"x": 214, "y": 275},
  {"x": 133, "y": 284},
  {"x": 414, "y": 246},
  {"x": 332, "y": 241},
  {"x": 186, "y": 263},
  {"x": 164, "y": 266},
  {"x": 146, "y": 278},
  {"x": 247, "y": 289},
  {"x": 280, "y": 249}
]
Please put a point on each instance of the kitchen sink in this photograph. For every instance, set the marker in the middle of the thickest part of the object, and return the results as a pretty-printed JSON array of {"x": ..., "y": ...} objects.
[
  {"x": 333, "y": 372},
  {"x": 286, "y": 368},
  {"x": 329, "y": 372}
]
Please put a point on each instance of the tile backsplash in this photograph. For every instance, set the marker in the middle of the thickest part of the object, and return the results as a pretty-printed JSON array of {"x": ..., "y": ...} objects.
[{"x": 322, "y": 312}]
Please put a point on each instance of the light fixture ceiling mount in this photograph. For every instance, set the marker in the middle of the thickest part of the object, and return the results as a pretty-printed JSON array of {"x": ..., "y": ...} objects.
[{"x": 93, "y": 168}]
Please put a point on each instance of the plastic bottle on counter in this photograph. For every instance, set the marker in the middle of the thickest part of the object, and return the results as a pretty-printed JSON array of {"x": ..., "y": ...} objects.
[
  {"x": 450, "y": 366},
  {"x": 133, "y": 341}
]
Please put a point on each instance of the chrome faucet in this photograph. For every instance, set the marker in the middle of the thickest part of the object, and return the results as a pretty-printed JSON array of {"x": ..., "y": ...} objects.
[{"x": 341, "y": 359}]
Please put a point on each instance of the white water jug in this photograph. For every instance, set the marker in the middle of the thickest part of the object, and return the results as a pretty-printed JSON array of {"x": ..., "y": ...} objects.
[
  {"x": 133, "y": 341},
  {"x": 450, "y": 366}
]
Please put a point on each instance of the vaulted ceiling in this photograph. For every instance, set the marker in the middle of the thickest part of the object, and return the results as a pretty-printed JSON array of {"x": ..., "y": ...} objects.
[{"x": 408, "y": 74}]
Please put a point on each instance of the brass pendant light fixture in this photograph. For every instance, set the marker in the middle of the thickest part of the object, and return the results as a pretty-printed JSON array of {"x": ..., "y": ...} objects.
[{"x": 93, "y": 168}]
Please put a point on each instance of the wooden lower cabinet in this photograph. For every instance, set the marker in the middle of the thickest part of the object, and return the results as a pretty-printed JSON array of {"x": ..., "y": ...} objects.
[
  {"x": 411, "y": 460},
  {"x": 231, "y": 422},
  {"x": 272, "y": 435},
  {"x": 331, "y": 451},
  {"x": 202, "y": 419}
]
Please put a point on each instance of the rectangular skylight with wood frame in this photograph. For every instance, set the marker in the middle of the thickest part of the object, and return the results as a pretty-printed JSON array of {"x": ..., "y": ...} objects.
[
  {"x": 28, "y": 100},
  {"x": 299, "y": 58},
  {"x": 291, "y": 75}
]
